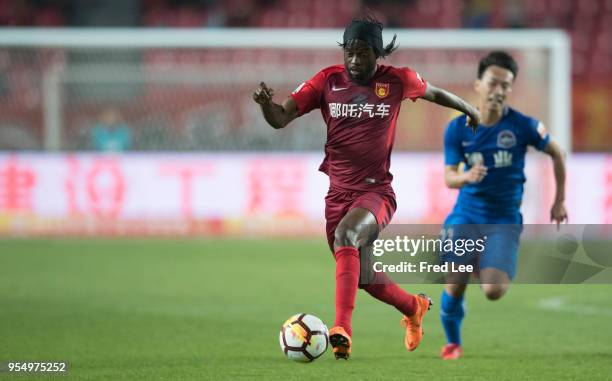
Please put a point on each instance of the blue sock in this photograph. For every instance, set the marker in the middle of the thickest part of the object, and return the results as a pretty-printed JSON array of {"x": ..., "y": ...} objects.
[{"x": 451, "y": 314}]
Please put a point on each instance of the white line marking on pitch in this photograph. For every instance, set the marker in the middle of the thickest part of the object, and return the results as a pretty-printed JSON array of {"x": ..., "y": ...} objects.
[{"x": 559, "y": 304}]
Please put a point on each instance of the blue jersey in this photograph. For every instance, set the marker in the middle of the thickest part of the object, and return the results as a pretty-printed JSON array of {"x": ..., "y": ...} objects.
[{"x": 501, "y": 148}]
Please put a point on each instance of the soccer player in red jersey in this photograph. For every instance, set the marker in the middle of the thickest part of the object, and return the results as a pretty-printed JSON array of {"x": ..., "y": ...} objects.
[{"x": 360, "y": 103}]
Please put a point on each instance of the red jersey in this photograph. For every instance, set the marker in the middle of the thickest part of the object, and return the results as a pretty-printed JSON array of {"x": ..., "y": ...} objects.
[{"x": 360, "y": 121}]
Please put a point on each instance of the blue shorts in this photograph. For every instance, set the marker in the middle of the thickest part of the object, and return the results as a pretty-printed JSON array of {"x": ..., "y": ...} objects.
[{"x": 500, "y": 237}]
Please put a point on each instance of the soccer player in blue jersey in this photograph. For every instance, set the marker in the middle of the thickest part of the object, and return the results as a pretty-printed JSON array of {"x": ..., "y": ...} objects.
[{"x": 491, "y": 189}]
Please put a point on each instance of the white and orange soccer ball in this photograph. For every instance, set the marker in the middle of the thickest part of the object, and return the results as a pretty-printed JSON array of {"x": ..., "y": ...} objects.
[{"x": 303, "y": 338}]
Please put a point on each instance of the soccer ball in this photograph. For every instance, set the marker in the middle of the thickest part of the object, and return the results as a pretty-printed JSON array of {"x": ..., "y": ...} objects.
[{"x": 303, "y": 338}]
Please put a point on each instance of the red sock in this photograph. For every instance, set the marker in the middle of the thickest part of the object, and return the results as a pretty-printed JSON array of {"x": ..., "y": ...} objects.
[
  {"x": 347, "y": 280},
  {"x": 384, "y": 289}
]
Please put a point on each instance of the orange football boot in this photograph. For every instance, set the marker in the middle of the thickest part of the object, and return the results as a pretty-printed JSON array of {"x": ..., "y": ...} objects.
[
  {"x": 341, "y": 342},
  {"x": 413, "y": 324}
]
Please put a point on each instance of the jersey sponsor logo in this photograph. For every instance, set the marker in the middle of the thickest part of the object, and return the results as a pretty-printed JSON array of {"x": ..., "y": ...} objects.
[
  {"x": 502, "y": 159},
  {"x": 381, "y": 90},
  {"x": 334, "y": 88},
  {"x": 297, "y": 89},
  {"x": 506, "y": 139},
  {"x": 474, "y": 158},
  {"x": 353, "y": 110},
  {"x": 466, "y": 144}
]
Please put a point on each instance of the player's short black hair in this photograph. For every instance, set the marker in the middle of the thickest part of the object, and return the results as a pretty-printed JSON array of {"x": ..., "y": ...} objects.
[
  {"x": 370, "y": 22},
  {"x": 498, "y": 58}
]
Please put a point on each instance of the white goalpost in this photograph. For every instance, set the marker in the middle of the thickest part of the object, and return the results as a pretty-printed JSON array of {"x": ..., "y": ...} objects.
[{"x": 205, "y": 75}]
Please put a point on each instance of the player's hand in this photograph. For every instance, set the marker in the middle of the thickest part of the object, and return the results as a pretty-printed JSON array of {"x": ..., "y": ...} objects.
[
  {"x": 558, "y": 213},
  {"x": 473, "y": 119},
  {"x": 475, "y": 174},
  {"x": 263, "y": 95}
]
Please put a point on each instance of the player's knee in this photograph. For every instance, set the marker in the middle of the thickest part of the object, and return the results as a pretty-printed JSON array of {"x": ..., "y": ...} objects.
[
  {"x": 455, "y": 290},
  {"x": 346, "y": 236},
  {"x": 494, "y": 291},
  {"x": 494, "y": 295}
]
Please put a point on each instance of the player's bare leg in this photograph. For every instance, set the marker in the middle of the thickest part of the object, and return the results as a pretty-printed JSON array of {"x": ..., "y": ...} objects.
[
  {"x": 356, "y": 229},
  {"x": 494, "y": 282}
]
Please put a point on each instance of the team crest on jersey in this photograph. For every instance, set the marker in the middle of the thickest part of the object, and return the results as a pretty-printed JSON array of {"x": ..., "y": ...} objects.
[
  {"x": 381, "y": 90},
  {"x": 506, "y": 139}
]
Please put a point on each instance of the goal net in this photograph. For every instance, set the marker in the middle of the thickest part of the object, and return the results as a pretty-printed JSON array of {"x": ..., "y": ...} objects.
[{"x": 177, "y": 90}]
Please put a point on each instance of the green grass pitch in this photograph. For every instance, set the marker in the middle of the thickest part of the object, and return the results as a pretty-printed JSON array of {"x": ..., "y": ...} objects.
[{"x": 212, "y": 309}]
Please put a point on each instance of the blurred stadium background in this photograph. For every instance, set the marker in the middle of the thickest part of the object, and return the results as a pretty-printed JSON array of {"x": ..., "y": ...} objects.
[{"x": 118, "y": 124}]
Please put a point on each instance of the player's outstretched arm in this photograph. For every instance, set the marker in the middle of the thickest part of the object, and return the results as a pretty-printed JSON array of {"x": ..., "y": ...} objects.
[
  {"x": 448, "y": 99},
  {"x": 557, "y": 211},
  {"x": 277, "y": 116},
  {"x": 456, "y": 178}
]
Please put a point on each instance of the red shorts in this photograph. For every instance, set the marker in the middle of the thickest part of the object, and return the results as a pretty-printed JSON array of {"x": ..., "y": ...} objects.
[{"x": 339, "y": 202}]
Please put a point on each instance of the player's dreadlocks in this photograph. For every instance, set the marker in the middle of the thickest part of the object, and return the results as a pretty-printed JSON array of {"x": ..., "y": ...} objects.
[{"x": 369, "y": 30}]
